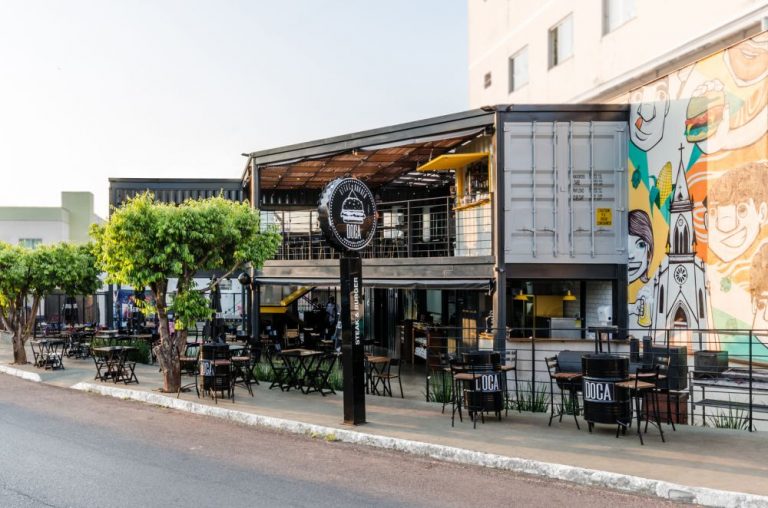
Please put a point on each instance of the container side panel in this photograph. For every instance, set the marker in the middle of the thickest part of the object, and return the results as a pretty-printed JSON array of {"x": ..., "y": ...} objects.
[{"x": 564, "y": 185}]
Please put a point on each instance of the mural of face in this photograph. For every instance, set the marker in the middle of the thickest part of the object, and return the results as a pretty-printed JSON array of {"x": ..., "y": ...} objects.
[
  {"x": 732, "y": 228},
  {"x": 649, "y": 109},
  {"x": 640, "y": 246},
  {"x": 748, "y": 60},
  {"x": 637, "y": 263}
]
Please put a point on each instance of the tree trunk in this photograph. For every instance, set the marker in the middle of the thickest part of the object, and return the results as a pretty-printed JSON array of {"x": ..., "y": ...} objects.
[
  {"x": 167, "y": 351},
  {"x": 19, "y": 352}
]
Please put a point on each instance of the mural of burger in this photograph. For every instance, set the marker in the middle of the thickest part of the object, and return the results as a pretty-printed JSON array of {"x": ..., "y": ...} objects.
[{"x": 705, "y": 111}]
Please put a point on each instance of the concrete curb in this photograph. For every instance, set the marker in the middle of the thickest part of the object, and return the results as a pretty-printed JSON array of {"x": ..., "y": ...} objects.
[
  {"x": 23, "y": 374},
  {"x": 582, "y": 476}
]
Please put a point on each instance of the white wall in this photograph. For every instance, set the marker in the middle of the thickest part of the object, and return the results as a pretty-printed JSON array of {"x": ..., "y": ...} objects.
[
  {"x": 660, "y": 31},
  {"x": 599, "y": 293},
  {"x": 49, "y": 231}
]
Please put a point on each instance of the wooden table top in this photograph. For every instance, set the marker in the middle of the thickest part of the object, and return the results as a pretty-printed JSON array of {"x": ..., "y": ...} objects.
[
  {"x": 301, "y": 352},
  {"x": 567, "y": 375},
  {"x": 107, "y": 349}
]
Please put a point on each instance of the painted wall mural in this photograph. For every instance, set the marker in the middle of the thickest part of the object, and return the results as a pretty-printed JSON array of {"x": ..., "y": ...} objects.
[{"x": 698, "y": 196}]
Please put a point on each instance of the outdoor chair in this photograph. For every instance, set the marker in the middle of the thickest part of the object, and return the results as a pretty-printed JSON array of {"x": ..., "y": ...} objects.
[
  {"x": 279, "y": 371},
  {"x": 565, "y": 381},
  {"x": 455, "y": 368},
  {"x": 386, "y": 376},
  {"x": 510, "y": 365},
  {"x": 291, "y": 336},
  {"x": 37, "y": 354},
  {"x": 100, "y": 362},
  {"x": 126, "y": 370},
  {"x": 189, "y": 362},
  {"x": 643, "y": 386},
  {"x": 319, "y": 377},
  {"x": 661, "y": 391},
  {"x": 242, "y": 369}
]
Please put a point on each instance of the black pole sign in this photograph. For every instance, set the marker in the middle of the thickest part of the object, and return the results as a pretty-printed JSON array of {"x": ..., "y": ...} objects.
[
  {"x": 347, "y": 213},
  {"x": 351, "y": 341}
]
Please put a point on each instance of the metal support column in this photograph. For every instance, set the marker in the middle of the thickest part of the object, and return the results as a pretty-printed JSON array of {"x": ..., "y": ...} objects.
[{"x": 496, "y": 171}]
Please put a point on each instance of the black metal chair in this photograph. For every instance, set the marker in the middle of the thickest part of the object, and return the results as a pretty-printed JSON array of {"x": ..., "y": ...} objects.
[
  {"x": 643, "y": 386},
  {"x": 100, "y": 362},
  {"x": 36, "y": 353},
  {"x": 279, "y": 371},
  {"x": 663, "y": 362},
  {"x": 455, "y": 368},
  {"x": 242, "y": 369},
  {"x": 386, "y": 375},
  {"x": 510, "y": 365},
  {"x": 565, "y": 381},
  {"x": 319, "y": 376},
  {"x": 126, "y": 370},
  {"x": 189, "y": 362}
]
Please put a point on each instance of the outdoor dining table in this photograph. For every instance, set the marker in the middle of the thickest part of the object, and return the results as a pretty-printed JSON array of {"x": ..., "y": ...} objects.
[
  {"x": 109, "y": 362},
  {"x": 298, "y": 363},
  {"x": 48, "y": 353}
]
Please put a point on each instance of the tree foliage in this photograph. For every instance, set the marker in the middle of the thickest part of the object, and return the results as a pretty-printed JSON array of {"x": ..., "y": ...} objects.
[
  {"x": 146, "y": 243},
  {"x": 30, "y": 274}
]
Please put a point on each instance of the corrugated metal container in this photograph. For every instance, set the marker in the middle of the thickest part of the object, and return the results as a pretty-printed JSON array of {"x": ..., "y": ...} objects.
[{"x": 565, "y": 189}]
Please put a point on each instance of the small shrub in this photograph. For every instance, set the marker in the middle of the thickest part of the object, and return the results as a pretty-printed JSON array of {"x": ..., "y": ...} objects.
[
  {"x": 439, "y": 389},
  {"x": 535, "y": 403},
  {"x": 263, "y": 372},
  {"x": 733, "y": 419},
  {"x": 336, "y": 378}
]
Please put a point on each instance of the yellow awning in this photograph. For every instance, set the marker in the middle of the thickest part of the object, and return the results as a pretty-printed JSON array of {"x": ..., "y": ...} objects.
[
  {"x": 452, "y": 161},
  {"x": 273, "y": 309},
  {"x": 295, "y": 296}
]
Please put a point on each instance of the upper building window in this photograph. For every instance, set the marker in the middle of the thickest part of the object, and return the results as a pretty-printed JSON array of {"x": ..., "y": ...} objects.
[
  {"x": 30, "y": 243},
  {"x": 561, "y": 41},
  {"x": 518, "y": 70},
  {"x": 616, "y": 13},
  {"x": 487, "y": 80}
]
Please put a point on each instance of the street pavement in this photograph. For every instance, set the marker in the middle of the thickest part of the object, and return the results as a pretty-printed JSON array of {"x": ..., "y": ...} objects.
[{"x": 67, "y": 448}]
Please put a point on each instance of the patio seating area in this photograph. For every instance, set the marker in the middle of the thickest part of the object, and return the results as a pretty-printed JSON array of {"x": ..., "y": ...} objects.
[{"x": 731, "y": 461}]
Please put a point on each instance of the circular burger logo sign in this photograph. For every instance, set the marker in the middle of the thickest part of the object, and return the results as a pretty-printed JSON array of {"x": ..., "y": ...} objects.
[{"x": 347, "y": 213}]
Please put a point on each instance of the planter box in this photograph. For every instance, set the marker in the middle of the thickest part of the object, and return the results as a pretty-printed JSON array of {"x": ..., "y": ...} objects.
[
  {"x": 670, "y": 403},
  {"x": 709, "y": 363}
]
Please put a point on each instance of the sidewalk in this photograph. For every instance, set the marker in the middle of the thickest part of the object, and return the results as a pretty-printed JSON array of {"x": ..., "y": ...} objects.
[{"x": 693, "y": 457}]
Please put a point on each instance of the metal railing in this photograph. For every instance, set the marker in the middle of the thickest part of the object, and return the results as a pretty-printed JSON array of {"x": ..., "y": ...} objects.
[
  {"x": 430, "y": 227},
  {"x": 716, "y": 378}
]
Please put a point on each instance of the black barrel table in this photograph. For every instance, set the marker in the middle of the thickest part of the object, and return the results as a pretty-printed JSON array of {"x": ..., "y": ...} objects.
[
  {"x": 215, "y": 370},
  {"x": 604, "y": 402}
]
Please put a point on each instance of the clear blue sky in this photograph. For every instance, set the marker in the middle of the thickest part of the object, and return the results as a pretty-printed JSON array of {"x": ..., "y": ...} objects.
[{"x": 154, "y": 88}]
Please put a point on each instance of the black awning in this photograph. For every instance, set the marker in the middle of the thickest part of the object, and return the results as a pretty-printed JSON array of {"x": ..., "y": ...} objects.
[{"x": 479, "y": 284}]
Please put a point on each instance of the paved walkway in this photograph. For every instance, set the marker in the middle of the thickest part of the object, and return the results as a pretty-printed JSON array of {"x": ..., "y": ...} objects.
[{"x": 692, "y": 456}]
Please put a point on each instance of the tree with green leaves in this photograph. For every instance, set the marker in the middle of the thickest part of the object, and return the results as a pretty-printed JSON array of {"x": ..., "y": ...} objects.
[
  {"x": 27, "y": 275},
  {"x": 146, "y": 243}
]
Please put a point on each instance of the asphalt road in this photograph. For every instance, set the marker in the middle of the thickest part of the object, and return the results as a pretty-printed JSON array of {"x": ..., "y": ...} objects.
[{"x": 65, "y": 448}]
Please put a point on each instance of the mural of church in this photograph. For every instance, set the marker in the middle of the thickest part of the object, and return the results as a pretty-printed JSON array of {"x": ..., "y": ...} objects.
[{"x": 679, "y": 285}]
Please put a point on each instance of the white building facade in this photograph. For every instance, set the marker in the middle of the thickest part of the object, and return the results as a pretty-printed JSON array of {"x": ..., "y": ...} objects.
[
  {"x": 561, "y": 51},
  {"x": 35, "y": 225}
]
